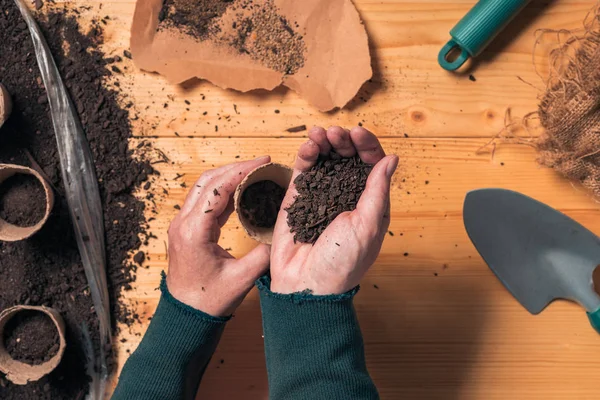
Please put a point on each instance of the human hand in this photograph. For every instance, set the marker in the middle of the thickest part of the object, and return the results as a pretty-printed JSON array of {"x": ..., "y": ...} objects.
[
  {"x": 349, "y": 246},
  {"x": 201, "y": 273}
]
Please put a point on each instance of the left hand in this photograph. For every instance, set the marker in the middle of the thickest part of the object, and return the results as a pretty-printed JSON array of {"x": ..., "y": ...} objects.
[{"x": 201, "y": 273}]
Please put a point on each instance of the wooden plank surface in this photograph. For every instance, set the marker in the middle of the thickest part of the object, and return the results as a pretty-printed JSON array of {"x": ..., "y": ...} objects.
[{"x": 439, "y": 326}]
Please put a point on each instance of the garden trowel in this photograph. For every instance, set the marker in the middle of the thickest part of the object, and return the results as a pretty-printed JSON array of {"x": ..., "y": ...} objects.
[{"x": 538, "y": 253}]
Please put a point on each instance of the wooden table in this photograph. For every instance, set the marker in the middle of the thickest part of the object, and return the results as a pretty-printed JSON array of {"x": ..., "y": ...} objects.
[{"x": 438, "y": 325}]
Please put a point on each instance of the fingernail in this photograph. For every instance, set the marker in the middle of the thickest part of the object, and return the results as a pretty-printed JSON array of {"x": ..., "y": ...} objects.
[
  {"x": 392, "y": 165},
  {"x": 262, "y": 158}
]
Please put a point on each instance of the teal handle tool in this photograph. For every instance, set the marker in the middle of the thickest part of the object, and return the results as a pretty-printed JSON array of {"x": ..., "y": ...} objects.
[
  {"x": 477, "y": 29},
  {"x": 595, "y": 319}
]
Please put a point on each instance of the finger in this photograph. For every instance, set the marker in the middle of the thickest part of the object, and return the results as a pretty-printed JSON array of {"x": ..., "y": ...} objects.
[
  {"x": 307, "y": 156},
  {"x": 253, "y": 265},
  {"x": 374, "y": 202},
  {"x": 217, "y": 191},
  {"x": 367, "y": 145},
  {"x": 319, "y": 136},
  {"x": 284, "y": 238},
  {"x": 341, "y": 141},
  {"x": 200, "y": 186},
  {"x": 224, "y": 217}
]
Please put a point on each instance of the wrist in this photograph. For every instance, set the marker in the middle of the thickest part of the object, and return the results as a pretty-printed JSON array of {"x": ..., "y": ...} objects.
[
  {"x": 295, "y": 284},
  {"x": 200, "y": 299},
  {"x": 266, "y": 286},
  {"x": 167, "y": 294}
]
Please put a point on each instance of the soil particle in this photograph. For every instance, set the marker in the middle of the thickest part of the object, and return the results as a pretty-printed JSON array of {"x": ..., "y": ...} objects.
[
  {"x": 261, "y": 202},
  {"x": 47, "y": 269},
  {"x": 333, "y": 186},
  {"x": 139, "y": 257},
  {"x": 22, "y": 200},
  {"x": 31, "y": 337},
  {"x": 296, "y": 129}
]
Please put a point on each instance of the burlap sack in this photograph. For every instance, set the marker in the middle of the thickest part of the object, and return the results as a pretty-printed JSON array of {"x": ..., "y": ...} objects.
[{"x": 570, "y": 108}]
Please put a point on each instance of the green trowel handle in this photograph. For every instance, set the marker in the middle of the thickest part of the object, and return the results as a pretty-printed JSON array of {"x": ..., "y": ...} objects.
[
  {"x": 477, "y": 29},
  {"x": 595, "y": 319}
]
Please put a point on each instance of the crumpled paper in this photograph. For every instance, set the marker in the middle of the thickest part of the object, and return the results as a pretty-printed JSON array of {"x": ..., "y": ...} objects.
[{"x": 337, "y": 57}]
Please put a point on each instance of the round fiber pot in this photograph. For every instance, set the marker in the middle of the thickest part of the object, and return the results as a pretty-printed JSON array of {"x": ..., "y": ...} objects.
[
  {"x": 13, "y": 233},
  {"x": 5, "y": 104},
  {"x": 277, "y": 173},
  {"x": 19, "y": 372}
]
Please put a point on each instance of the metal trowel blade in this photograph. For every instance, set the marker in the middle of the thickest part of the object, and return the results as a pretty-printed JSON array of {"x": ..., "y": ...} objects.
[{"x": 538, "y": 253}]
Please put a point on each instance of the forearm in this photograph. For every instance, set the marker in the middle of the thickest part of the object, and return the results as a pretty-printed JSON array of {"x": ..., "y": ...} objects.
[
  {"x": 171, "y": 359},
  {"x": 314, "y": 347}
]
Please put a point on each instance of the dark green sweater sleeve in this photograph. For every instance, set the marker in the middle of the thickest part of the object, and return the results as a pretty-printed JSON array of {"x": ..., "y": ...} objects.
[
  {"x": 171, "y": 359},
  {"x": 314, "y": 347}
]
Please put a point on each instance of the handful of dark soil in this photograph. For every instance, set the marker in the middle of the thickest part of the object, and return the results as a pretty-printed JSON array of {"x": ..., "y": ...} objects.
[
  {"x": 31, "y": 337},
  {"x": 333, "y": 186},
  {"x": 261, "y": 202},
  {"x": 22, "y": 200}
]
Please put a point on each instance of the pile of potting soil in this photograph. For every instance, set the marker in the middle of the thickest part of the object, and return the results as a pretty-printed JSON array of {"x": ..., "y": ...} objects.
[
  {"x": 194, "y": 17},
  {"x": 258, "y": 29},
  {"x": 22, "y": 200},
  {"x": 333, "y": 186},
  {"x": 267, "y": 37},
  {"x": 261, "y": 202},
  {"x": 46, "y": 269},
  {"x": 31, "y": 337}
]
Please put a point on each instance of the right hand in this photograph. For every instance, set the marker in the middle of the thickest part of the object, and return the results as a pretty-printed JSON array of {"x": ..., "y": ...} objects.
[{"x": 349, "y": 246}]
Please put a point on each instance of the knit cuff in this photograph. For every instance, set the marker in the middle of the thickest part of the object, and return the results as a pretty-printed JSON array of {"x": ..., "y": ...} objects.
[
  {"x": 264, "y": 285},
  {"x": 313, "y": 346},
  {"x": 170, "y": 360}
]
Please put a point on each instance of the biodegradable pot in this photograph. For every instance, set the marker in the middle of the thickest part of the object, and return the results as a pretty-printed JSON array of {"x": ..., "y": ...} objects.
[
  {"x": 278, "y": 173},
  {"x": 21, "y": 373},
  {"x": 5, "y": 104},
  {"x": 13, "y": 233}
]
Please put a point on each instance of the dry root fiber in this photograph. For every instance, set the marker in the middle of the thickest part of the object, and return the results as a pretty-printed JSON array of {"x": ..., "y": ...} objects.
[{"x": 569, "y": 110}]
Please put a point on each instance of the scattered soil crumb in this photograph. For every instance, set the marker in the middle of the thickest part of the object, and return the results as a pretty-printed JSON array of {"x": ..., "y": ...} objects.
[
  {"x": 296, "y": 129},
  {"x": 139, "y": 257}
]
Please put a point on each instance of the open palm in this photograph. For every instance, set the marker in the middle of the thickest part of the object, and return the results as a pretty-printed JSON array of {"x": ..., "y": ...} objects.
[{"x": 351, "y": 243}]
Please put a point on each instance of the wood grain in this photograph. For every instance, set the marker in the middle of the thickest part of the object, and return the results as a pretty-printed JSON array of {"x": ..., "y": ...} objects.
[
  {"x": 409, "y": 92},
  {"x": 439, "y": 325}
]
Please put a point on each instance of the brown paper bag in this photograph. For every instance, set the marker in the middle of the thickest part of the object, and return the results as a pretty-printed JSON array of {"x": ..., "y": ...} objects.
[{"x": 337, "y": 59}]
